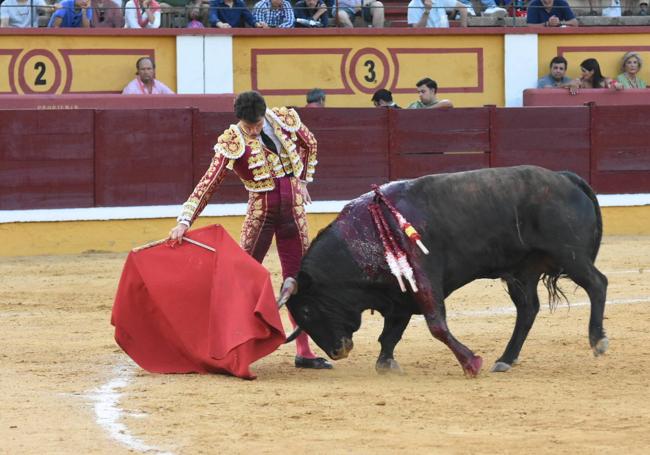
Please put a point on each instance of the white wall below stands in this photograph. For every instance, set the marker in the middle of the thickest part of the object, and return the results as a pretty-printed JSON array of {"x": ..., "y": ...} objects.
[
  {"x": 204, "y": 64},
  {"x": 520, "y": 67}
]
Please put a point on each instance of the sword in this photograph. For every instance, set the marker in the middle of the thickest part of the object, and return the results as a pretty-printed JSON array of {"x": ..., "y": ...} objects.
[
  {"x": 161, "y": 241},
  {"x": 202, "y": 245}
]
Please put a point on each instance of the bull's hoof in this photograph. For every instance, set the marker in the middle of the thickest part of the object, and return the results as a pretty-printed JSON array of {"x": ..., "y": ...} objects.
[
  {"x": 500, "y": 367},
  {"x": 388, "y": 366},
  {"x": 473, "y": 366},
  {"x": 601, "y": 347}
]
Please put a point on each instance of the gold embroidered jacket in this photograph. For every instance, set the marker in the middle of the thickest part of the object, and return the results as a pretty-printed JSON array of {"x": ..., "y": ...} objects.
[{"x": 253, "y": 163}]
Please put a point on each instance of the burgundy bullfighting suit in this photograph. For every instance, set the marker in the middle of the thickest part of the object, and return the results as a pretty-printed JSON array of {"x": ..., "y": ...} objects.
[
  {"x": 272, "y": 167},
  {"x": 275, "y": 205}
]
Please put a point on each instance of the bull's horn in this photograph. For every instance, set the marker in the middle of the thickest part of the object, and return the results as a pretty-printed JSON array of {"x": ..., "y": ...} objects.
[
  {"x": 289, "y": 288},
  {"x": 293, "y": 335}
]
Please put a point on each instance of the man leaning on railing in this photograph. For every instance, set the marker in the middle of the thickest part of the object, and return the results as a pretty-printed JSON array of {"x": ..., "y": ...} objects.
[
  {"x": 550, "y": 13},
  {"x": 274, "y": 14},
  {"x": 22, "y": 13},
  {"x": 433, "y": 14},
  {"x": 72, "y": 14},
  {"x": 231, "y": 14}
]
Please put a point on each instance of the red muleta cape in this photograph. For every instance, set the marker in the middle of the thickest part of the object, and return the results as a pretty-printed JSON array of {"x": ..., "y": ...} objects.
[{"x": 189, "y": 310}]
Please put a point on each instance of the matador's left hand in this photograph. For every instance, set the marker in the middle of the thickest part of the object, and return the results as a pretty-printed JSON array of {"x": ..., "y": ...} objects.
[{"x": 304, "y": 192}]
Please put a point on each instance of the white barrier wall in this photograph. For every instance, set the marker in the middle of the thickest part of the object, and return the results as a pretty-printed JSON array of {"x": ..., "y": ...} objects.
[
  {"x": 520, "y": 67},
  {"x": 204, "y": 64}
]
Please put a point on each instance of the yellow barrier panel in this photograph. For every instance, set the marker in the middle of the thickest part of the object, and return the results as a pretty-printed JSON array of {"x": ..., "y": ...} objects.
[{"x": 73, "y": 237}]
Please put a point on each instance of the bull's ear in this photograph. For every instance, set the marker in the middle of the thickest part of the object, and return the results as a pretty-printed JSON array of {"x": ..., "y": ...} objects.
[{"x": 304, "y": 280}]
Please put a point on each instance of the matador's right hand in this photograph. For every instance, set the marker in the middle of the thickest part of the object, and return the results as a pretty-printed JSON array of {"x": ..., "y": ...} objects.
[{"x": 176, "y": 234}]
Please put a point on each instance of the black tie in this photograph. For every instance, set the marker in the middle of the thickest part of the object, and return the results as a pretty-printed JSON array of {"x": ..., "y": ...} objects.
[{"x": 268, "y": 142}]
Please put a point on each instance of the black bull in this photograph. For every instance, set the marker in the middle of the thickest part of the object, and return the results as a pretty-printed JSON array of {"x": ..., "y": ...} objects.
[{"x": 520, "y": 224}]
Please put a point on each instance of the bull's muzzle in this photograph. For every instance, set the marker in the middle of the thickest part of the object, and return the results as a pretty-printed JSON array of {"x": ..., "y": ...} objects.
[{"x": 344, "y": 350}]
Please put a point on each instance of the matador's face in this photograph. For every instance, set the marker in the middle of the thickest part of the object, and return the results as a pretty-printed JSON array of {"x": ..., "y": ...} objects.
[{"x": 253, "y": 129}]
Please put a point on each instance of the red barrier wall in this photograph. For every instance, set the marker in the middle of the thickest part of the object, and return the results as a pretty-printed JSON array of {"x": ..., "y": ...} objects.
[
  {"x": 555, "y": 138},
  {"x": 143, "y": 157},
  {"x": 450, "y": 140},
  {"x": 46, "y": 159},
  {"x": 562, "y": 97},
  {"x": 82, "y": 158},
  {"x": 620, "y": 149},
  {"x": 352, "y": 150}
]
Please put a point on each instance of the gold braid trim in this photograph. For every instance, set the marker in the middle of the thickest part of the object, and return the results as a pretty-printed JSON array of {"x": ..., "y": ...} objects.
[
  {"x": 310, "y": 153},
  {"x": 286, "y": 117},
  {"x": 203, "y": 190},
  {"x": 231, "y": 143}
]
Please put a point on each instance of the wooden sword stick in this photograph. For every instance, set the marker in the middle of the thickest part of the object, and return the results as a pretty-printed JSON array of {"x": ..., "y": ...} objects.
[
  {"x": 161, "y": 241},
  {"x": 202, "y": 245}
]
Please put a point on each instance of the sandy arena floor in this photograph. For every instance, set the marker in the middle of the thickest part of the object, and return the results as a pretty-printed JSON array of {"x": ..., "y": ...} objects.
[{"x": 66, "y": 387}]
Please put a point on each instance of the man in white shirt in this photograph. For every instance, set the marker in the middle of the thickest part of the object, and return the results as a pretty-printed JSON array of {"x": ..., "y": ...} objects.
[
  {"x": 21, "y": 13},
  {"x": 433, "y": 13}
]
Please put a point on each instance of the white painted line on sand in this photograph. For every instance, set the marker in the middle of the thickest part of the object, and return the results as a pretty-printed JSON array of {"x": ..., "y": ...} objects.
[
  {"x": 108, "y": 414},
  {"x": 511, "y": 309},
  {"x": 640, "y": 270}
]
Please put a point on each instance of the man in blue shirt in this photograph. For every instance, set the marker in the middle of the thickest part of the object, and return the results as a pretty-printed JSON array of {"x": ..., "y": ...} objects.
[
  {"x": 274, "y": 13},
  {"x": 556, "y": 78},
  {"x": 550, "y": 13},
  {"x": 72, "y": 13},
  {"x": 231, "y": 14}
]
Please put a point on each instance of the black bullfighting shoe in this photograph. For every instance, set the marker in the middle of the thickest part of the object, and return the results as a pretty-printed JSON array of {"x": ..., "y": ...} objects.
[{"x": 318, "y": 363}]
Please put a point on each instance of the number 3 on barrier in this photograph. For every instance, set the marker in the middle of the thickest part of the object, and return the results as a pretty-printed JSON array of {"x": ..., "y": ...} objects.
[{"x": 372, "y": 75}]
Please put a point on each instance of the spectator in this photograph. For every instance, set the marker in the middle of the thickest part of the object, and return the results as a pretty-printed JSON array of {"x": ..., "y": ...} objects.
[
  {"x": 274, "y": 14},
  {"x": 72, "y": 14},
  {"x": 592, "y": 77},
  {"x": 106, "y": 14},
  {"x": 643, "y": 8},
  {"x": 490, "y": 8},
  {"x": 432, "y": 14},
  {"x": 142, "y": 14},
  {"x": 427, "y": 89},
  {"x": 550, "y": 13},
  {"x": 311, "y": 13},
  {"x": 21, "y": 13},
  {"x": 316, "y": 98},
  {"x": 631, "y": 65},
  {"x": 179, "y": 11},
  {"x": 145, "y": 82},
  {"x": 384, "y": 98},
  {"x": 557, "y": 77},
  {"x": 372, "y": 12},
  {"x": 194, "y": 16},
  {"x": 613, "y": 10},
  {"x": 231, "y": 14}
]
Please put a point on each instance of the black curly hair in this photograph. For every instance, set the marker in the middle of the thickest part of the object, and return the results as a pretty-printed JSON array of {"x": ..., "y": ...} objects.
[{"x": 250, "y": 106}]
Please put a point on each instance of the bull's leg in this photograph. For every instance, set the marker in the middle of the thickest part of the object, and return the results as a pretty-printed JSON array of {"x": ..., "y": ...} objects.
[
  {"x": 394, "y": 326},
  {"x": 588, "y": 277},
  {"x": 432, "y": 304},
  {"x": 523, "y": 292}
]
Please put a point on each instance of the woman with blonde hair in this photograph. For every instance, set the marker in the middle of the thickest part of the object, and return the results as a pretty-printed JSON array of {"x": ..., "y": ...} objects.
[{"x": 631, "y": 65}]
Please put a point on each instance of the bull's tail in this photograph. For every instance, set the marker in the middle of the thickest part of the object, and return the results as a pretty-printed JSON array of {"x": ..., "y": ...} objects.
[
  {"x": 551, "y": 279},
  {"x": 584, "y": 186}
]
